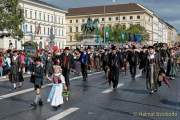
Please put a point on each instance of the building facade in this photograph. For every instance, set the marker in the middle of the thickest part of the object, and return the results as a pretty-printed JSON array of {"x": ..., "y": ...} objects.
[
  {"x": 124, "y": 14},
  {"x": 43, "y": 23}
]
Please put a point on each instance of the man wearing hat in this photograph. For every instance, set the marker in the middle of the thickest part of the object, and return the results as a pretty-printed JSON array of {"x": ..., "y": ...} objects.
[
  {"x": 105, "y": 61},
  {"x": 152, "y": 69},
  {"x": 67, "y": 62},
  {"x": 114, "y": 67},
  {"x": 133, "y": 61},
  {"x": 15, "y": 70}
]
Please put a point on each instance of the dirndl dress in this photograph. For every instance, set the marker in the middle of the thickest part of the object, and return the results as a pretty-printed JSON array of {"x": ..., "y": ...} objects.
[{"x": 55, "y": 96}]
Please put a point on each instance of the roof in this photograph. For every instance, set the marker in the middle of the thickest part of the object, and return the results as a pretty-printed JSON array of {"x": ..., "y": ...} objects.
[
  {"x": 47, "y": 4},
  {"x": 170, "y": 25},
  {"x": 108, "y": 9}
]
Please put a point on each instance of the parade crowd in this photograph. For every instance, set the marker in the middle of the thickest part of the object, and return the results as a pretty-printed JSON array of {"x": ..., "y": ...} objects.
[{"x": 157, "y": 64}]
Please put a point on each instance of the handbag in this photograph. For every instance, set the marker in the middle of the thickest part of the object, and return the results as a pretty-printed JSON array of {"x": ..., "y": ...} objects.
[{"x": 32, "y": 78}]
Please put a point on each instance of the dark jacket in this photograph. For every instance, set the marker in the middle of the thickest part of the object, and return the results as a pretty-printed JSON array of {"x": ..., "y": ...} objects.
[
  {"x": 38, "y": 73},
  {"x": 132, "y": 57},
  {"x": 70, "y": 61},
  {"x": 113, "y": 60}
]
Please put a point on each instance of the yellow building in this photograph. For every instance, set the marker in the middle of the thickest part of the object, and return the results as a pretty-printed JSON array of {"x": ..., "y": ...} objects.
[{"x": 125, "y": 14}]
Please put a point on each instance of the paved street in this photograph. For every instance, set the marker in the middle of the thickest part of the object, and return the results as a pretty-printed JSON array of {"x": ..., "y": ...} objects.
[{"x": 94, "y": 100}]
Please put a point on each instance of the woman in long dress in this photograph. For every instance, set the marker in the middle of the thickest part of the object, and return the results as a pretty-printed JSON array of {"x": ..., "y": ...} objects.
[{"x": 55, "y": 96}]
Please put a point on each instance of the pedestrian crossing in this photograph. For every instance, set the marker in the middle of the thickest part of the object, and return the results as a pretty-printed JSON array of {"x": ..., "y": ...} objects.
[{"x": 63, "y": 114}]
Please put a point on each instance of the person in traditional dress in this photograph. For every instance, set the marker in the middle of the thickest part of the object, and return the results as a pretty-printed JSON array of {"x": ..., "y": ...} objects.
[
  {"x": 152, "y": 70},
  {"x": 114, "y": 67},
  {"x": 38, "y": 73},
  {"x": 55, "y": 96},
  {"x": 105, "y": 61},
  {"x": 133, "y": 61},
  {"x": 15, "y": 71},
  {"x": 49, "y": 65},
  {"x": 172, "y": 64},
  {"x": 142, "y": 60},
  {"x": 67, "y": 63},
  {"x": 97, "y": 60},
  {"x": 77, "y": 61}
]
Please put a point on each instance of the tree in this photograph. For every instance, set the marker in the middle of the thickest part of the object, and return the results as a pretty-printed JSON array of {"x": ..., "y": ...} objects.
[
  {"x": 11, "y": 18},
  {"x": 138, "y": 29}
]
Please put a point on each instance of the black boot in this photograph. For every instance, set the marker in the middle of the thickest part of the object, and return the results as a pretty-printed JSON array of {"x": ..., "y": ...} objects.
[
  {"x": 40, "y": 103},
  {"x": 34, "y": 105}
]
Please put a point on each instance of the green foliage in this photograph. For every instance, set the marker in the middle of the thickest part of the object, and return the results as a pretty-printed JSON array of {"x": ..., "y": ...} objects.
[
  {"x": 11, "y": 18},
  {"x": 119, "y": 33}
]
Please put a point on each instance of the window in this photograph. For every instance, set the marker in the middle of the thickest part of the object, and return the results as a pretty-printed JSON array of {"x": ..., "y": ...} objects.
[
  {"x": 44, "y": 17},
  {"x": 26, "y": 28},
  {"x": 70, "y": 38},
  {"x": 62, "y": 20},
  {"x": 70, "y": 21},
  {"x": 62, "y": 32},
  {"x": 76, "y": 21},
  {"x": 48, "y": 31},
  {"x": 83, "y": 20},
  {"x": 26, "y": 12},
  {"x": 59, "y": 19},
  {"x": 55, "y": 19},
  {"x": 102, "y": 19},
  {"x": 117, "y": 18},
  {"x": 59, "y": 32},
  {"x": 35, "y": 15},
  {"x": 124, "y": 17},
  {"x": 44, "y": 30},
  {"x": 70, "y": 29},
  {"x": 109, "y": 18},
  {"x": 31, "y": 28},
  {"x": 138, "y": 17},
  {"x": 52, "y": 19},
  {"x": 30, "y": 14},
  {"x": 131, "y": 17},
  {"x": 39, "y": 16},
  {"x": 55, "y": 31},
  {"x": 77, "y": 29},
  {"x": 48, "y": 18}
]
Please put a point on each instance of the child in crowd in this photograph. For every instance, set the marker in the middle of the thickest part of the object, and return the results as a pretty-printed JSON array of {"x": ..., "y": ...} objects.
[{"x": 56, "y": 96}]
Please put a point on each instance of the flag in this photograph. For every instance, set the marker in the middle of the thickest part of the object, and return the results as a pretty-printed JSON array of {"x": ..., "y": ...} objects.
[
  {"x": 137, "y": 37},
  {"x": 38, "y": 28}
]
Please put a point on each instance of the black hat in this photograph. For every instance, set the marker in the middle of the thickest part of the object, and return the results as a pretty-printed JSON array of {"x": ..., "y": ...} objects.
[
  {"x": 66, "y": 48},
  {"x": 15, "y": 51},
  {"x": 113, "y": 47},
  {"x": 37, "y": 59},
  {"x": 150, "y": 47}
]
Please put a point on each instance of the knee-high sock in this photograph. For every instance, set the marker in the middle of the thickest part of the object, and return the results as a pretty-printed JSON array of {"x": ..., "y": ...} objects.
[{"x": 37, "y": 98}]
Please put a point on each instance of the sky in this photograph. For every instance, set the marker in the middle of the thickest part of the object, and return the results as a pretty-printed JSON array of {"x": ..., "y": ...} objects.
[{"x": 168, "y": 10}]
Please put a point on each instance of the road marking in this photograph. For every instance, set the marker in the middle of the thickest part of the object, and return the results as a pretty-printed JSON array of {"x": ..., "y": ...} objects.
[
  {"x": 31, "y": 89},
  {"x": 111, "y": 89},
  {"x": 7, "y": 79},
  {"x": 20, "y": 92},
  {"x": 63, "y": 114}
]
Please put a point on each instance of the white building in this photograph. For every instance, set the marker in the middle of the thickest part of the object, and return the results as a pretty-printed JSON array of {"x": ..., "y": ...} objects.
[
  {"x": 124, "y": 14},
  {"x": 42, "y": 20}
]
